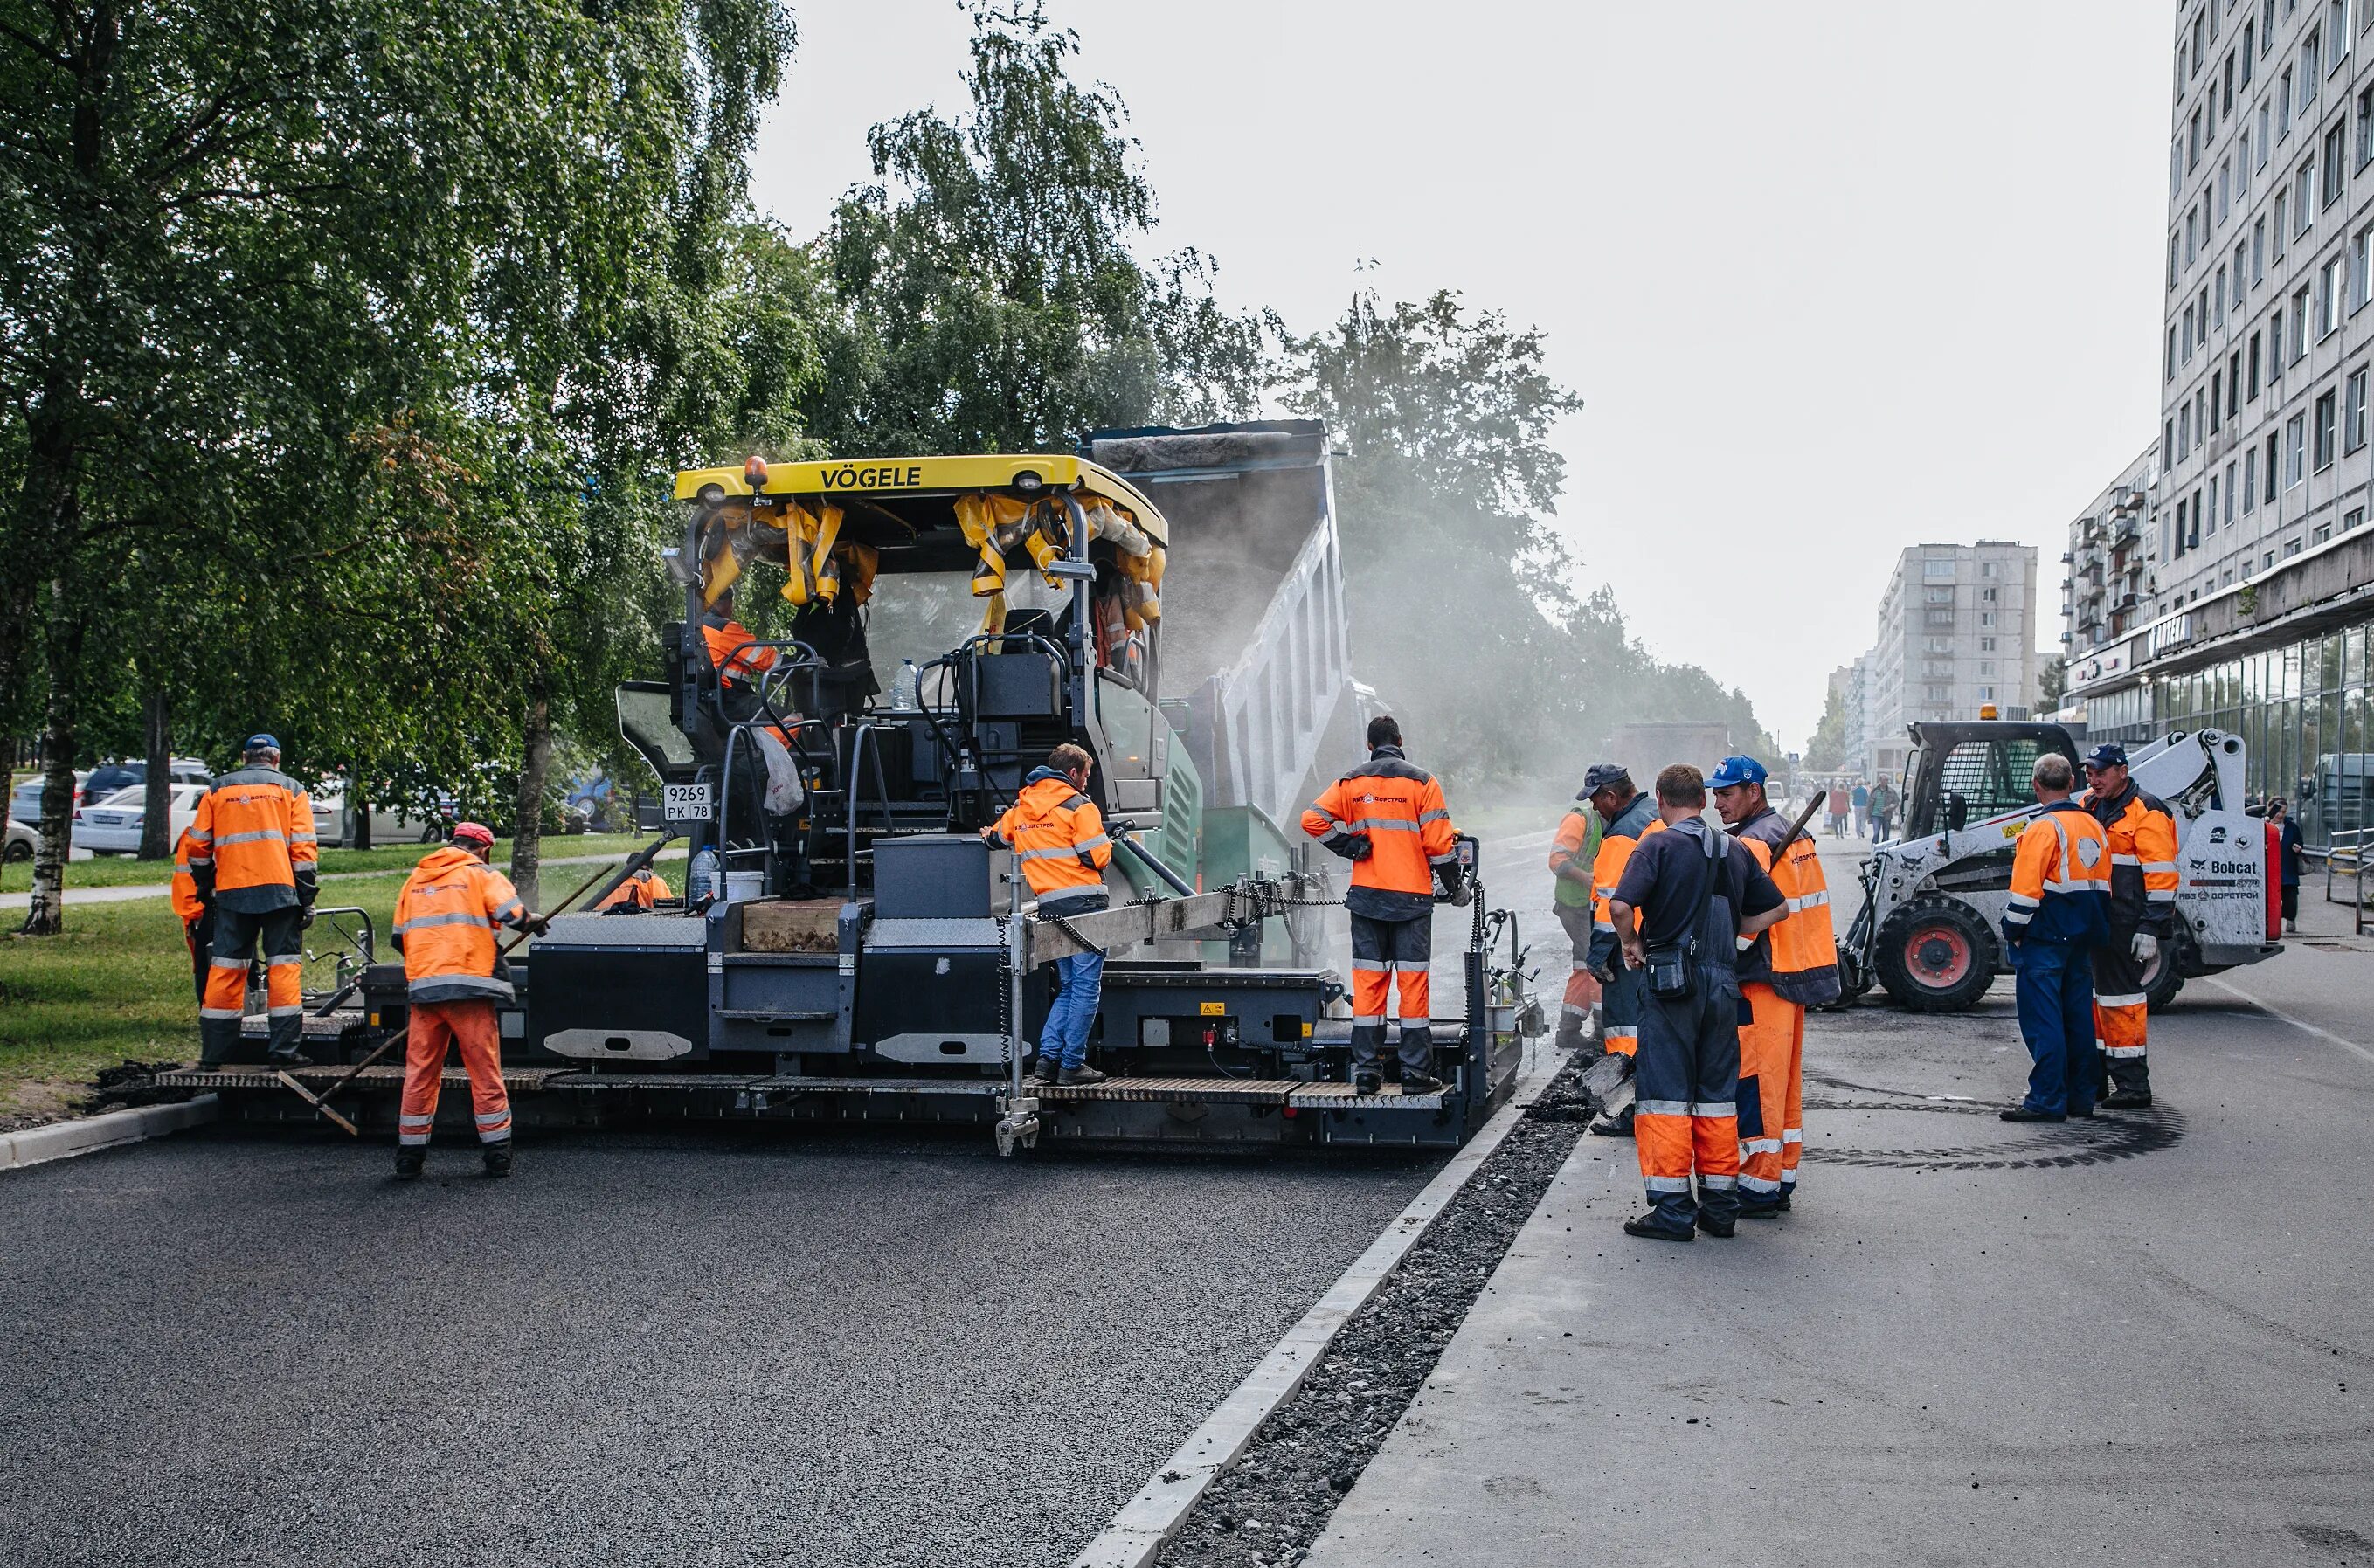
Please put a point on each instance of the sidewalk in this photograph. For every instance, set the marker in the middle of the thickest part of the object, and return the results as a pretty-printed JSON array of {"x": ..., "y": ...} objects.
[
  {"x": 159, "y": 889},
  {"x": 2132, "y": 1341}
]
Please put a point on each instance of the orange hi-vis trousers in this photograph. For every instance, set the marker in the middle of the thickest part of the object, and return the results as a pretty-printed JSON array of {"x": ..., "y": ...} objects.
[
  {"x": 1389, "y": 955},
  {"x": 471, "y": 1026},
  {"x": 1685, "y": 1088},
  {"x": 1771, "y": 1066},
  {"x": 2122, "y": 1014}
]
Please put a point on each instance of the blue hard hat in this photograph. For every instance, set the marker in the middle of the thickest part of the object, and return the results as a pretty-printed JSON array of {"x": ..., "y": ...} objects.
[
  {"x": 1736, "y": 770},
  {"x": 262, "y": 743},
  {"x": 2110, "y": 753}
]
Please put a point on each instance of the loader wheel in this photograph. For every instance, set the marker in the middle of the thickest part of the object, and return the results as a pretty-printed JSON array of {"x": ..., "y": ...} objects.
[{"x": 1936, "y": 955}]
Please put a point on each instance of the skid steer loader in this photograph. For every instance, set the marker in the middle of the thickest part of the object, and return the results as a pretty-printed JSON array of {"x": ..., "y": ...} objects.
[{"x": 1933, "y": 899}]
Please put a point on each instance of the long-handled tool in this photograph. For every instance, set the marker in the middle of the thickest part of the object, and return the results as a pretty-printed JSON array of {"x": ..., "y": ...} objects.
[{"x": 321, "y": 1102}]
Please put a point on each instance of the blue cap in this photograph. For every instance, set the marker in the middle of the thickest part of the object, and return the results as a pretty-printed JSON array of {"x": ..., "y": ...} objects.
[
  {"x": 2110, "y": 753},
  {"x": 1603, "y": 775},
  {"x": 262, "y": 743},
  {"x": 1736, "y": 770}
]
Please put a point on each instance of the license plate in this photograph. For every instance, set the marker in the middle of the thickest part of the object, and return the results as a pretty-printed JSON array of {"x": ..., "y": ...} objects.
[
  {"x": 107, "y": 819},
  {"x": 689, "y": 803}
]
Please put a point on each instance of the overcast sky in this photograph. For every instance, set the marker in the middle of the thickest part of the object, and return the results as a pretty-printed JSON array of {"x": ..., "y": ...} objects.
[{"x": 1832, "y": 277}]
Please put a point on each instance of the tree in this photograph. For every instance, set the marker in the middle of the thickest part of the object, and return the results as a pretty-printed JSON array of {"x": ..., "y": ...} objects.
[
  {"x": 2052, "y": 683},
  {"x": 989, "y": 296},
  {"x": 1827, "y": 749}
]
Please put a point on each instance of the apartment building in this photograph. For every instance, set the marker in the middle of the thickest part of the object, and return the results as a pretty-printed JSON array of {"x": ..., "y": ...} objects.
[
  {"x": 2259, "y": 578},
  {"x": 1957, "y": 633},
  {"x": 2110, "y": 571}
]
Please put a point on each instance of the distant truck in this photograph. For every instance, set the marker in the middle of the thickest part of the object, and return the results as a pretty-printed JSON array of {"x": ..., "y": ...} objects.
[{"x": 1643, "y": 749}]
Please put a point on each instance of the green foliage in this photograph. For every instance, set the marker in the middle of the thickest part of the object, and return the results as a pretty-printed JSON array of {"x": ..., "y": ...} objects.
[
  {"x": 1445, "y": 502},
  {"x": 989, "y": 298},
  {"x": 1827, "y": 749}
]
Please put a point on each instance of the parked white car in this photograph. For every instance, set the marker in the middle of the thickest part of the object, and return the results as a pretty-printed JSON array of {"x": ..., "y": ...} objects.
[
  {"x": 24, "y": 799},
  {"x": 113, "y": 825},
  {"x": 21, "y": 843}
]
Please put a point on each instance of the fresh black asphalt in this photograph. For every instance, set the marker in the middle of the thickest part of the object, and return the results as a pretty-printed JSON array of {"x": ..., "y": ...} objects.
[{"x": 226, "y": 1348}]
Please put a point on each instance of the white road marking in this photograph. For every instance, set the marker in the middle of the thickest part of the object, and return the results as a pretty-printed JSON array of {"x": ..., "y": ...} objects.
[{"x": 2301, "y": 1023}]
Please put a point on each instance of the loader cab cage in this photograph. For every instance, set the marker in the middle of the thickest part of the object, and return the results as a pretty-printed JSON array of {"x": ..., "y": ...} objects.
[
  {"x": 1063, "y": 561},
  {"x": 1961, "y": 773}
]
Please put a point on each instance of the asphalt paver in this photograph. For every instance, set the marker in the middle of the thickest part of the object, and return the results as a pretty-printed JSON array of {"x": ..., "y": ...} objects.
[{"x": 227, "y": 1348}]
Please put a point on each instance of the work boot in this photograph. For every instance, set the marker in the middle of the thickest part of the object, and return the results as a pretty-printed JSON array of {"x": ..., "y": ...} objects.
[
  {"x": 2126, "y": 1100},
  {"x": 2021, "y": 1113},
  {"x": 1569, "y": 1032},
  {"x": 498, "y": 1157},
  {"x": 1073, "y": 1076},
  {"x": 1616, "y": 1126},
  {"x": 284, "y": 1063},
  {"x": 1368, "y": 1083},
  {"x": 409, "y": 1158},
  {"x": 1771, "y": 1211},
  {"x": 1716, "y": 1226},
  {"x": 1647, "y": 1227},
  {"x": 1421, "y": 1083},
  {"x": 1047, "y": 1072}
]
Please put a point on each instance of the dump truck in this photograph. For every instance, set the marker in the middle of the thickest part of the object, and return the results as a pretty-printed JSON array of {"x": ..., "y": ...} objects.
[
  {"x": 1171, "y": 600},
  {"x": 1934, "y": 899}
]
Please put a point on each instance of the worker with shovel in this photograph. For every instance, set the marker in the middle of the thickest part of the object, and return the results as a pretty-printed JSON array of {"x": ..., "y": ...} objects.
[{"x": 445, "y": 921}]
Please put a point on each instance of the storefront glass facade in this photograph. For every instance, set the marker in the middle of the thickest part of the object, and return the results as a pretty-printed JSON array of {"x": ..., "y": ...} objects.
[{"x": 2301, "y": 710}]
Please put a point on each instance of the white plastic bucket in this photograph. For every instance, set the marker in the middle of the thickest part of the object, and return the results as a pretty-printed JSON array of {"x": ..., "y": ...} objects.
[{"x": 742, "y": 887}]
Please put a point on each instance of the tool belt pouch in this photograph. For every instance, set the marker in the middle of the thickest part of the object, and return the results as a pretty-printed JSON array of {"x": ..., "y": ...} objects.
[{"x": 1672, "y": 970}]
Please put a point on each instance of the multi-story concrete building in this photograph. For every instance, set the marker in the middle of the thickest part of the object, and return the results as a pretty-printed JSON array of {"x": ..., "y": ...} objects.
[
  {"x": 2111, "y": 566},
  {"x": 1854, "y": 698},
  {"x": 2256, "y": 605},
  {"x": 1957, "y": 633}
]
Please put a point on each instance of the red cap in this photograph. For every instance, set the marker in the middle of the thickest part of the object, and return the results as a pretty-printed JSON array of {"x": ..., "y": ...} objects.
[{"x": 473, "y": 833}]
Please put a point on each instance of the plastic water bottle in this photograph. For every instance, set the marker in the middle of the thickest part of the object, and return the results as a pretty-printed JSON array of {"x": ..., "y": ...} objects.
[
  {"x": 906, "y": 691},
  {"x": 703, "y": 881}
]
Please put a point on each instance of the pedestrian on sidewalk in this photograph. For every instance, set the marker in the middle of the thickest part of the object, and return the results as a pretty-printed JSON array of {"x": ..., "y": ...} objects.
[
  {"x": 1859, "y": 798},
  {"x": 1882, "y": 811},
  {"x": 2059, "y": 914},
  {"x": 1698, "y": 894},
  {"x": 2291, "y": 850},
  {"x": 1838, "y": 804},
  {"x": 445, "y": 921},
  {"x": 1574, "y": 849},
  {"x": 1059, "y": 836}
]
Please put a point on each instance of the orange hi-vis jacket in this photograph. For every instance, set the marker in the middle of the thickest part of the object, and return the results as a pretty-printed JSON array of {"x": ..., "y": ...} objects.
[
  {"x": 1799, "y": 957},
  {"x": 1058, "y": 836},
  {"x": 725, "y": 636},
  {"x": 184, "y": 887},
  {"x": 643, "y": 890},
  {"x": 1400, "y": 809},
  {"x": 251, "y": 847},
  {"x": 2142, "y": 833},
  {"x": 1635, "y": 822},
  {"x": 2061, "y": 879},
  {"x": 445, "y": 921}
]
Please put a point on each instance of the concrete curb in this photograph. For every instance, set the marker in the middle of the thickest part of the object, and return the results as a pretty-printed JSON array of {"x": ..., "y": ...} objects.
[
  {"x": 64, "y": 1140},
  {"x": 1138, "y": 1531}
]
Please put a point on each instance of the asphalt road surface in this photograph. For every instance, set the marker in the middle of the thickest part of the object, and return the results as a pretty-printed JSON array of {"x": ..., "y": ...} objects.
[{"x": 223, "y": 1347}]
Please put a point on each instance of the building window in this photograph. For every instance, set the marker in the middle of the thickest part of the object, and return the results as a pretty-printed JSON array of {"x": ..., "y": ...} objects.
[
  {"x": 2251, "y": 480},
  {"x": 2218, "y": 299},
  {"x": 2183, "y": 429},
  {"x": 2311, "y": 66},
  {"x": 2217, "y": 401},
  {"x": 2337, "y": 27},
  {"x": 1986, "y": 645},
  {"x": 2258, "y": 255},
  {"x": 1986, "y": 596},
  {"x": 1936, "y": 566},
  {"x": 2241, "y": 266},
  {"x": 2268, "y": 496},
  {"x": 2296, "y": 451},
  {"x": 2267, "y": 141},
  {"x": 2351, "y": 518},
  {"x": 2366, "y": 121},
  {"x": 2303, "y": 197},
  {"x": 2323, "y": 531},
  {"x": 2291, "y": 546},
  {"x": 1937, "y": 596},
  {"x": 1986, "y": 617},
  {"x": 2284, "y": 106},
  {"x": 2283, "y": 205},
  {"x": 2254, "y": 367},
  {"x": 2335, "y": 171},
  {"x": 2328, "y": 425},
  {"x": 1986, "y": 569},
  {"x": 2230, "y": 489},
  {"x": 2210, "y": 524},
  {"x": 2303, "y": 321},
  {"x": 2275, "y": 347},
  {"x": 2332, "y": 294},
  {"x": 2250, "y": 30},
  {"x": 2234, "y": 385},
  {"x": 2361, "y": 269},
  {"x": 2353, "y": 411}
]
